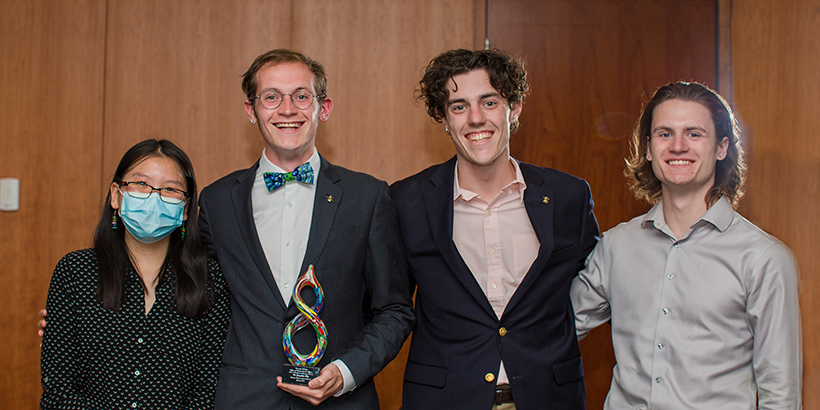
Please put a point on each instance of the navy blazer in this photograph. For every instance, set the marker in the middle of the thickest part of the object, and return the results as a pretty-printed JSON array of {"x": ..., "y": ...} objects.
[
  {"x": 458, "y": 340},
  {"x": 355, "y": 247}
]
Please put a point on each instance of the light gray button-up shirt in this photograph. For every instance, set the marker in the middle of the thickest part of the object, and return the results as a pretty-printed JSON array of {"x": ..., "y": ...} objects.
[{"x": 707, "y": 321}]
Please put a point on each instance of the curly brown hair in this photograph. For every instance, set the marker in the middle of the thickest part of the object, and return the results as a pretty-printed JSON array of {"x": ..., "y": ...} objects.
[
  {"x": 730, "y": 172},
  {"x": 507, "y": 75},
  {"x": 279, "y": 56}
]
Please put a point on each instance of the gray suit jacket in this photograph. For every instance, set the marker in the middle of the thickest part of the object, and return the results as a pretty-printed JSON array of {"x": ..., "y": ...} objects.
[{"x": 355, "y": 247}]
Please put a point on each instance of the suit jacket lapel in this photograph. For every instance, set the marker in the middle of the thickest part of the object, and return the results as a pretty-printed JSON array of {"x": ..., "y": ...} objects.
[
  {"x": 241, "y": 196},
  {"x": 325, "y": 203},
  {"x": 439, "y": 204},
  {"x": 540, "y": 214}
]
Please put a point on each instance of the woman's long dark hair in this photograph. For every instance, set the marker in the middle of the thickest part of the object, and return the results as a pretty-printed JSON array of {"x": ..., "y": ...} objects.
[{"x": 186, "y": 257}]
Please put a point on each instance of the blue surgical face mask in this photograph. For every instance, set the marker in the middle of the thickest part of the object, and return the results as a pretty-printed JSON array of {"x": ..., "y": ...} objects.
[{"x": 150, "y": 219}]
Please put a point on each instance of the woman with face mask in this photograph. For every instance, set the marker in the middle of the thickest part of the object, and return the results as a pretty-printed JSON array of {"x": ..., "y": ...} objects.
[{"x": 139, "y": 320}]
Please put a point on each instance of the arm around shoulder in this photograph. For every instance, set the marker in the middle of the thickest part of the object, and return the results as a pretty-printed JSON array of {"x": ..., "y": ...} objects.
[{"x": 589, "y": 295}]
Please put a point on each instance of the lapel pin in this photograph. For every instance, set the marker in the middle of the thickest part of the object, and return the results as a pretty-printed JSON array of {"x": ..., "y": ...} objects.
[
  {"x": 330, "y": 198},
  {"x": 546, "y": 199}
]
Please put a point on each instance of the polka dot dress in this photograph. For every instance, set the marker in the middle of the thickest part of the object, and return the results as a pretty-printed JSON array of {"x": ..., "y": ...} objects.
[{"x": 96, "y": 358}]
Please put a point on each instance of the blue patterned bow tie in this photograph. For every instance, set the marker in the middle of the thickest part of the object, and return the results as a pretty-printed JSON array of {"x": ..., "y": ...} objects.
[{"x": 275, "y": 180}]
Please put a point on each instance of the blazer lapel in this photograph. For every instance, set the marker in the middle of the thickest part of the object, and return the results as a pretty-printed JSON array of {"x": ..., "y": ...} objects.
[
  {"x": 540, "y": 210},
  {"x": 439, "y": 204},
  {"x": 325, "y": 203},
  {"x": 241, "y": 196}
]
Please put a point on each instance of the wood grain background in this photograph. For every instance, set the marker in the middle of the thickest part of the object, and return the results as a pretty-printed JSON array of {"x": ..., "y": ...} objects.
[{"x": 82, "y": 81}]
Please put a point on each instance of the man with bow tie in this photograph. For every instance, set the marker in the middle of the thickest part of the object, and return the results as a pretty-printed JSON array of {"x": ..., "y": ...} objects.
[
  {"x": 493, "y": 245},
  {"x": 290, "y": 210}
]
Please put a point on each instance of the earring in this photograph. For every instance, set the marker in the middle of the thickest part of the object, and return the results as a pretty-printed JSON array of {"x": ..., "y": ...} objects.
[
  {"x": 252, "y": 121},
  {"x": 182, "y": 232},
  {"x": 114, "y": 222},
  {"x": 446, "y": 129}
]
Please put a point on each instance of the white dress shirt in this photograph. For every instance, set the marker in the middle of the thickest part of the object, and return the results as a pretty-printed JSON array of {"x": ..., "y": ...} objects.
[
  {"x": 282, "y": 223},
  {"x": 282, "y": 220}
]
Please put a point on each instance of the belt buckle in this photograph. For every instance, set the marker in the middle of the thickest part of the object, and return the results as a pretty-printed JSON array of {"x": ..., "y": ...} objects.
[{"x": 503, "y": 394}]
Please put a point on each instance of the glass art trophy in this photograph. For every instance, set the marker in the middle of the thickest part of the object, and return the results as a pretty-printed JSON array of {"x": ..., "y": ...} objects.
[{"x": 302, "y": 368}]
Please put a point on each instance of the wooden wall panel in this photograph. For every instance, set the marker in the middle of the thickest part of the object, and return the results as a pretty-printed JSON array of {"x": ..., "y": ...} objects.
[
  {"x": 591, "y": 66},
  {"x": 374, "y": 52},
  {"x": 173, "y": 71},
  {"x": 776, "y": 55},
  {"x": 50, "y": 138}
]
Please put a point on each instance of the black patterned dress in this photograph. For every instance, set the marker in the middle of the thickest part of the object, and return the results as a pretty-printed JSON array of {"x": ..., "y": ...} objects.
[{"x": 97, "y": 358}]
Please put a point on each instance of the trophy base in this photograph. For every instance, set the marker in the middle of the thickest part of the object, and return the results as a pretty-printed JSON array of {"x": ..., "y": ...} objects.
[{"x": 300, "y": 375}]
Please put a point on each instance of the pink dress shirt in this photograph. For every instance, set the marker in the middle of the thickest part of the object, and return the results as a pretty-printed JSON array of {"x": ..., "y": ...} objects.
[{"x": 499, "y": 258}]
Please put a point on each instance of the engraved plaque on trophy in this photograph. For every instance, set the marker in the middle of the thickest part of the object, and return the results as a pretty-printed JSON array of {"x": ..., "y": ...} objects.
[{"x": 302, "y": 368}]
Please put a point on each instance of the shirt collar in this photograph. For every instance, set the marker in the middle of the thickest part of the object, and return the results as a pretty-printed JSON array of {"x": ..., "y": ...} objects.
[
  {"x": 720, "y": 215},
  {"x": 468, "y": 195},
  {"x": 265, "y": 165}
]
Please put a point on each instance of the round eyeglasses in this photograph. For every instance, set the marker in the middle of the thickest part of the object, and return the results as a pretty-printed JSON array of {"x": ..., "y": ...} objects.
[
  {"x": 272, "y": 99},
  {"x": 141, "y": 190}
]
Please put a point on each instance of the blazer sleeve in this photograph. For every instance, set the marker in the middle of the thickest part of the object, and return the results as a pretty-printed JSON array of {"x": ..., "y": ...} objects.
[
  {"x": 385, "y": 275},
  {"x": 204, "y": 225},
  {"x": 590, "y": 232}
]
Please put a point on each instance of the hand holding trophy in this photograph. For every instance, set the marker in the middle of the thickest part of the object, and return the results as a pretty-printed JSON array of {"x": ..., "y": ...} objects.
[{"x": 302, "y": 368}]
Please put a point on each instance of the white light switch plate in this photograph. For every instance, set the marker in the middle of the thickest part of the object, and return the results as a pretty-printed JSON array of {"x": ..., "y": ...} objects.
[{"x": 9, "y": 194}]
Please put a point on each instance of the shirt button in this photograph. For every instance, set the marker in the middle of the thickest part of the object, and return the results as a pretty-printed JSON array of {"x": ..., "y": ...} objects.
[
  {"x": 494, "y": 286},
  {"x": 137, "y": 373},
  {"x": 489, "y": 213},
  {"x": 287, "y": 243},
  {"x": 287, "y": 284},
  {"x": 665, "y": 311},
  {"x": 489, "y": 377},
  {"x": 660, "y": 346},
  {"x": 658, "y": 380},
  {"x": 677, "y": 245},
  {"x": 492, "y": 251},
  {"x": 290, "y": 204},
  {"x": 670, "y": 276},
  {"x": 509, "y": 192},
  {"x": 502, "y": 331}
]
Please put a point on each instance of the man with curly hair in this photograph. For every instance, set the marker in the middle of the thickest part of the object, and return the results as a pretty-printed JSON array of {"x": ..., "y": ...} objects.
[
  {"x": 703, "y": 304},
  {"x": 493, "y": 245}
]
